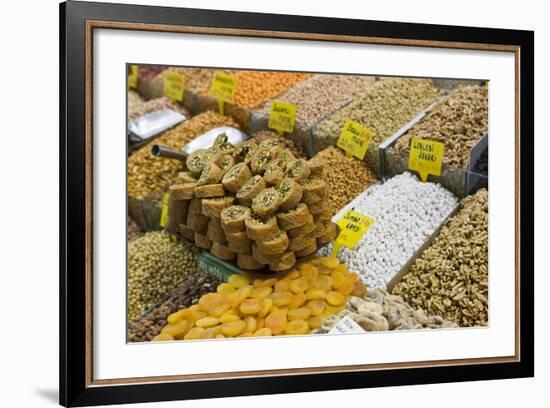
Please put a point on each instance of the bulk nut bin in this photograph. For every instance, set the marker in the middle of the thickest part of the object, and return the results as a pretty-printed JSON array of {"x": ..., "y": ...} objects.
[
  {"x": 315, "y": 98},
  {"x": 253, "y": 89},
  {"x": 384, "y": 108},
  {"x": 460, "y": 121}
]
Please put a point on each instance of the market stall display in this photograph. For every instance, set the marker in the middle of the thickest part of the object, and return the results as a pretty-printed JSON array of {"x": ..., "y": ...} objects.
[
  {"x": 156, "y": 265},
  {"x": 247, "y": 307},
  {"x": 255, "y": 204},
  {"x": 384, "y": 108},
  {"x": 406, "y": 213},
  {"x": 450, "y": 278}
]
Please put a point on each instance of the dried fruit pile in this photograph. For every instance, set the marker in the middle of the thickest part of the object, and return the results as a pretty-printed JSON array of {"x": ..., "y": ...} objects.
[
  {"x": 156, "y": 265},
  {"x": 147, "y": 173},
  {"x": 188, "y": 293},
  {"x": 380, "y": 311},
  {"x": 154, "y": 105},
  {"x": 459, "y": 121},
  {"x": 384, "y": 108},
  {"x": 295, "y": 304},
  {"x": 450, "y": 278},
  {"x": 255, "y": 203}
]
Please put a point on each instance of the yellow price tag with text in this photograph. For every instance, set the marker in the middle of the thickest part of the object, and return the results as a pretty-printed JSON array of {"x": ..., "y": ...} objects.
[
  {"x": 353, "y": 226},
  {"x": 164, "y": 213},
  {"x": 174, "y": 86},
  {"x": 354, "y": 139},
  {"x": 133, "y": 77},
  {"x": 426, "y": 157},
  {"x": 282, "y": 117},
  {"x": 223, "y": 87}
]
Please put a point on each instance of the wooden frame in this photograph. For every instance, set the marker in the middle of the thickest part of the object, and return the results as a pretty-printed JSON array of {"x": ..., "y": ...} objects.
[{"x": 77, "y": 22}]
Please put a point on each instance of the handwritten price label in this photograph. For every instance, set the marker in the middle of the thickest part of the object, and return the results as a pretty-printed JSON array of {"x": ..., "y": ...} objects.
[
  {"x": 282, "y": 116},
  {"x": 354, "y": 139},
  {"x": 133, "y": 77},
  {"x": 174, "y": 86},
  {"x": 352, "y": 228},
  {"x": 223, "y": 87},
  {"x": 426, "y": 157}
]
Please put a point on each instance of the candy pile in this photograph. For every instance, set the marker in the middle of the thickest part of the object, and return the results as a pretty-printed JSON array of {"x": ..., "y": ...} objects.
[
  {"x": 406, "y": 213},
  {"x": 295, "y": 304},
  {"x": 255, "y": 203}
]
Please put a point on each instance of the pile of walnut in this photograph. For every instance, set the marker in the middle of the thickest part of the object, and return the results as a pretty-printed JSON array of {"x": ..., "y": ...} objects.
[
  {"x": 255, "y": 202},
  {"x": 380, "y": 311}
]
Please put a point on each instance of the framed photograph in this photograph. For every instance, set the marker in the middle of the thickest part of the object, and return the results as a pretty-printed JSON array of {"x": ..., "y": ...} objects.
[{"x": 256, "y": 204}]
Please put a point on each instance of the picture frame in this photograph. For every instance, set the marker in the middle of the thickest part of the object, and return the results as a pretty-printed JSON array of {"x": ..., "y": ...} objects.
[{"x": 78, "y": 20}]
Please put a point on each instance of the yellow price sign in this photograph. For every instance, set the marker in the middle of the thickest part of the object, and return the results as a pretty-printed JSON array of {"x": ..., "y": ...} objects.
[
  {"x": 353, "y": 226},
  {"x": 223, "y": 87},
  {"x": 282, "y": 116},
  {"x": 133, "y": 77},
  {"x": 174, "y": 86},
  {"x": 164, "y": 213},
  {"x": 354, "y": 139},
  {"x": 426, "y": 157}
]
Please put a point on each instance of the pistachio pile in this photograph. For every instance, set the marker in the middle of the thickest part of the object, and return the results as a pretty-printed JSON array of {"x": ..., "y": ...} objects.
[
  {"x": 284, "y": 141},
  {"x": 459, "y": 122},
  {"x": 347, "y": 177},
  {"x": 156, "y": 265},
  {"x": 196, "y": 79},
  {"x": 255, "y": 203},
  {"x": 155, "y": 105},
  {"x": 384, "y": 108},
  {"x": 147, "y": 173},
  {"x": 320, "y": 95},
  {"x": 188, "y": 293},
  {"x": 380, "y": 311},
  {"x": 294, "y": 304},
  {"x": 450, "y": 278}
]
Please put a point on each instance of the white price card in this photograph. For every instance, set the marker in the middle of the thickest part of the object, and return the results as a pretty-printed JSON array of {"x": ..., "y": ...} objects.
[{"x": 346, "y": 325}]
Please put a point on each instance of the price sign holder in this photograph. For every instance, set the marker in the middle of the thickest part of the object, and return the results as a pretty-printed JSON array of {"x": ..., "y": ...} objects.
[
  {"x": 282, "y": 117},
  {"x": 353, "y": 226},
  {"x": 133, "y": 77},
  {"x": 223, "y": 87},
  {"x": 354, "y": 139},
  {"x": 174, "y": 86},
  {"x": 164, "y": 213},
  {"x": 426, "y": 157}
]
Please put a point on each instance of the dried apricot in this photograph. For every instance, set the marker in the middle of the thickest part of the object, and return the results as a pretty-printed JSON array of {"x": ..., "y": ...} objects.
[
  {"x": 210, "y": 300},
  {"x": 330, "y": 262},
  {"x": 250, "y": 306},
  {"x": 276, "y": 321},
  {"x": 239, "y": 295},
  {"x": 225, "y": 289},
  {"x": 180, "y": 314},
  {"x": 299, "y": 285},
  {"x": 262, "y": 283},
  {"x": 281, "y": 298},
  {"x": 162, "y": 337},
  {"x": 250, "y": 324},
  {"x": 219, "y": 310},
  {"x": 359, "y": 290},
  {"x": 315, "y": 322},
  {"x": 316, "y": 306},
  {"x": 260, "y": 322},
  {"x": 229, "y": 316},
  {"x": 297, "y": 327},
  {"x": 335, "y": 298},
  {"x": 313, "y": 294},
  {"x": 301, "y": 313},
  {"x": 297, "y": 300},
  {"x": 263, "y": 332},
  {"x": 177, "y": 328},
  {"x": 261, "y": 293},
  {"x": 266, "y": 307},
  {"x": 323, "y": 282},
  {"x": 207, "y": 322},
  {"x": 195, "y": 333},
  {"x": 293, "y": 274},
  {"x": 238, "y": 281},
  {"x": 232, "y": 329},
  {"x": 282, "y": 285}
]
